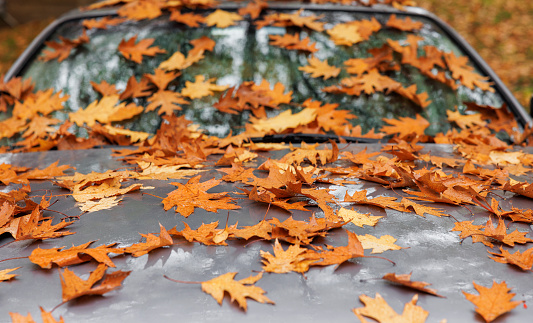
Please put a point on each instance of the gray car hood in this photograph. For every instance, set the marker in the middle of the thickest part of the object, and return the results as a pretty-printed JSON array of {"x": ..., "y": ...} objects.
[{"x": 431, "y": 252}]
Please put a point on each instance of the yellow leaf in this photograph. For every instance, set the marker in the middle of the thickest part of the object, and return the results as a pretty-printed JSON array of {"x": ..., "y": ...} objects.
[
  {"x": 359, "y": 219},
  {"x": 378, "y": 245}
]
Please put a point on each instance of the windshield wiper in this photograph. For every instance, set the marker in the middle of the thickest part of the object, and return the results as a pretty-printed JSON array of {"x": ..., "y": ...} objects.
[{"x": 312, "y": 138}]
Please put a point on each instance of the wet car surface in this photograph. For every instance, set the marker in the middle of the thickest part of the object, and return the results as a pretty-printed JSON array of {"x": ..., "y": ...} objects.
[{"x": 430, "y": 249}]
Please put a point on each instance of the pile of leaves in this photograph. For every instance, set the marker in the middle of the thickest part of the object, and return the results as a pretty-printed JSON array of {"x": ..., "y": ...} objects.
[{"x": 179, "y": 150}]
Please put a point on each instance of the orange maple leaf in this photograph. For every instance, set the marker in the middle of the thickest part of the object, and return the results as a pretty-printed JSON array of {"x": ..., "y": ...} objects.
[
  {"x": 492, "y": 302},
  {"x": 134, "y": 52},
  {"x": 194, "y": 194},
  {"x": 46, "y": 317},
  {"x": 284, "y": 261},
  {"x": 523, "y": 260},
  {"x": 5, "y": 274}
]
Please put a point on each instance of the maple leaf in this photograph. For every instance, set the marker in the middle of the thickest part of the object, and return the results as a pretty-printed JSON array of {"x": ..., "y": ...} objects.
[
  {"x": 405, "y": 126},
  {"x": 74, "y": 287},
  {"x": 284, "y": 261},
  {"x": 222, "y": 18},
  {"x": 319, "y": 68},
  {"x": 378, "y": 309},
  {"x": 152, "y": 242},
  {"x": 405, "y": 280},
  {"x": 166, "y": 101},
  {"x": 492, "y": 302},
  {"x": 194, "y": 194},
  {"x": 237, "y": 289},
  {"x": 201, "y": 87},
  {"x": 5, "y": 274},
  {"x": 261, "y": 230},
  {"x": 523, "y": 260},
  {"x": 357, "y": 218},
  {"x": 378, "y": 245},
  {"x": 74, "y": 255},
  {"x": 134, "y": 52}
]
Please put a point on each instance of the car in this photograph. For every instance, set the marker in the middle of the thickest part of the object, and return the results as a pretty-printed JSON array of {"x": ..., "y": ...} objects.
[{"x": 186, "y": 160}]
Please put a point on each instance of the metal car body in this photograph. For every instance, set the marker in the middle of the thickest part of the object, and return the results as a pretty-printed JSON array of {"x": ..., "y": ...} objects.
[{"x": 430, "y": 250}]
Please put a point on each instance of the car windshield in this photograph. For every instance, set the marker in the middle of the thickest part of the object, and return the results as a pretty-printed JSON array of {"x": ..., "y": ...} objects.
[{"x": 245, "y": 53}]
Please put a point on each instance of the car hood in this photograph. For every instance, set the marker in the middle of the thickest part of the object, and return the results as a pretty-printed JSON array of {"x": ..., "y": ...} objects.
[{"x": 431, "y": 251}]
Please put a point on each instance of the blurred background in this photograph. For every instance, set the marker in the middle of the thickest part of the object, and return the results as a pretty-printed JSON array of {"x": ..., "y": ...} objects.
[{"x": 500, "y": 30}]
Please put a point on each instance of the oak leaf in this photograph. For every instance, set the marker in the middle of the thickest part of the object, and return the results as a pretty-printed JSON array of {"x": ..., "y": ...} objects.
[
  {"x": 357, "y": 218},
  {"x": 378, "y": 309},
  {"x": 463, "y": 72},
  {"x": 201, "y": 87},
  {"x": 378, "y": 245},
  {"x": 253, "y": 8},
  {"x": 190, "y": 19},
  {"x": 293, "y": 42},
  {"x": 134, "y": 52},
  {"x": 61, "y": 50},
  {"x": 166, "y": 102},
  {"x": 405, "y": 126},
  {"x": 406, "y": 24},
  {"x": 222, "y": 18},
  {"x": 46, "y": 317},
  {"x": 405, "y": 280},
  {"x": 74, "y": 255},
  {"x": 319, "y": 68},
  {"x": 74, "y": 287},
  {"x": 238, "y": 290},
  {"x": 105, "y": 111},
  {"x": 284, "y": 261},
  {"x": 492, "y": 302},
  {"x": 523, "y": 260},
  {"x": 102, "y": 23},
  {"x": 152, "y": 242}
]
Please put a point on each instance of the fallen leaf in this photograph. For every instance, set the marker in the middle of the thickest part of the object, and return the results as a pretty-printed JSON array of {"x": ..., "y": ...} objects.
[
  {"x": 378, "y": 309},
  {"x": 405, "y": 280},
  {"x": 238, "y": 290},
  {"x": 74, "y": 287},
  {"x": 492, "y": 302}
]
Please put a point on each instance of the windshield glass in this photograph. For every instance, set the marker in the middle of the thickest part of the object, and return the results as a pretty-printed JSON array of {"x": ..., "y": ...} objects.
[{"x": 244, "y": 53}]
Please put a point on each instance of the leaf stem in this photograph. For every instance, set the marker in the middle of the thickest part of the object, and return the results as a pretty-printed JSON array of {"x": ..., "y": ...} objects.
[
  {"x": 12, "y": 258},
  {"x": 180, "y": 281}
]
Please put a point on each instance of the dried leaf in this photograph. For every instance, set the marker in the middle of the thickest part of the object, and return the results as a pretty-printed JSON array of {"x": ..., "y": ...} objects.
[{"x": 492, "y": 302}]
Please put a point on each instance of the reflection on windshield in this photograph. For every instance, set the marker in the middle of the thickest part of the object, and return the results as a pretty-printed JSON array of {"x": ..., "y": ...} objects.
[{"x": 243, "y": 54}]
